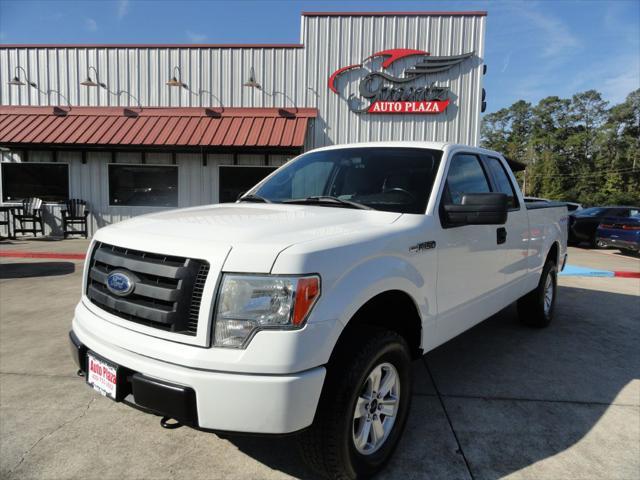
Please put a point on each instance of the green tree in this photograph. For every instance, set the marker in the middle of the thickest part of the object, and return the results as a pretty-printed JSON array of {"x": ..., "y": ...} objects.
[
  {"x": 621, "y": 142},
  {"x": 549, "y": 132},
  {"x": 576, "y": 149},
  {"x": 495, "y": 130}
]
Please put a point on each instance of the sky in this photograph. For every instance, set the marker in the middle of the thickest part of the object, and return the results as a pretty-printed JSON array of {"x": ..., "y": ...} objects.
[{"x": 533, "y": 48}]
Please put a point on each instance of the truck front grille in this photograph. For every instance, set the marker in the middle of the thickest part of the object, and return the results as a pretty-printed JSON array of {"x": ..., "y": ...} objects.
[{"x": 167, "y": 293}]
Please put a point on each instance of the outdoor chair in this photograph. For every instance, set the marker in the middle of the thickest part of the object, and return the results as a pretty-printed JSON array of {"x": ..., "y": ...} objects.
[
  {"x": 5, "y": 212},
  {"x": 75, "y": 213},
  {"x": 29, "y": 213}
]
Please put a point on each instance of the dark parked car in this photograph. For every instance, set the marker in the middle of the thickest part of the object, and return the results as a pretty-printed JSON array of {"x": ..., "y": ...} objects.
[
  {"x": 584, "y": 223},
  {"x": 622, "y": 233}
]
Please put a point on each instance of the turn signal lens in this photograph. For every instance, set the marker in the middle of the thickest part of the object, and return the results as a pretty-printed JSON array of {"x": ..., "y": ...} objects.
[{"x": 307, "y": 292}]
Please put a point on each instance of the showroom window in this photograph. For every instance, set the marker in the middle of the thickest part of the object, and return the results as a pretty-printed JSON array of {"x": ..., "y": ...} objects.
[
  {"x": 143, "y": 185},
  {"x": 237, "y": 180},
  {"x": 47, "y": 181}
]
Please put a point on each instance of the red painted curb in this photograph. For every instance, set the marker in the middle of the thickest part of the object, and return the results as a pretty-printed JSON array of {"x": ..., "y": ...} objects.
[
  {"x": 627, "y": 274},
  {"x": 61, "y": 256}
]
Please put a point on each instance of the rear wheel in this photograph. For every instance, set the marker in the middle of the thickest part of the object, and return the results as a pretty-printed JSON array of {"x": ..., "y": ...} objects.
[
  {"x": 363, "y": 408},
  {"x": 536, "y": 308}
]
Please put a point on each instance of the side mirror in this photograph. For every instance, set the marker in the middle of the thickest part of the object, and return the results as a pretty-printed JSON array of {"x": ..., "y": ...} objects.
[{"x": 478, "y": 209}]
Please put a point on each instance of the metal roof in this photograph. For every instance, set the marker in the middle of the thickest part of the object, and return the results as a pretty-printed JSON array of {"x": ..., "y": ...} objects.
[
  {"x": 166, "y": 127},
  {"x": 154, "y": 45},
  {"x": 478, "y": 13}
]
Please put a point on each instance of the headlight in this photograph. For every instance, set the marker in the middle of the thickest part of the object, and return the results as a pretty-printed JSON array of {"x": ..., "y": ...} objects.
[{"x": 248, "y": 303}]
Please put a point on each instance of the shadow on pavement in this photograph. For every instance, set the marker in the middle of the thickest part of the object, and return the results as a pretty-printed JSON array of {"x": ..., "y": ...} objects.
[
  {"x": 516, "y": 395},
  {"x": 627, "y": 253},
  {"x": 28, "y": 239},
  {"x": 35, "y": 269},
  {"x": 278, "y": 453}
]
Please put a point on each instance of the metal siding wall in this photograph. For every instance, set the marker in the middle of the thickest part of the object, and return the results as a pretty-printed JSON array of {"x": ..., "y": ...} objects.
[
  {"x": 279, "y": 160},
  {"x": 254, "y": 159},
  {"x": 216, "y": 75},
  {"x": 190, "y": 180},
  {"x": 362, "y": 36},
  {"x": 300, "y": 73}
]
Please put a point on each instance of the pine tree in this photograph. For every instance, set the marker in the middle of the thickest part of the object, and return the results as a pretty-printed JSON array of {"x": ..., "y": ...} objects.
[{"x": 576, "y": 149}]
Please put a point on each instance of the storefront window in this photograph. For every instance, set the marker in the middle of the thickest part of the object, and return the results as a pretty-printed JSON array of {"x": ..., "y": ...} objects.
[
  {"x": 237, "y": 180},
  {"x": 143, "y": 185},
  {"x": 47, "y": 181}
]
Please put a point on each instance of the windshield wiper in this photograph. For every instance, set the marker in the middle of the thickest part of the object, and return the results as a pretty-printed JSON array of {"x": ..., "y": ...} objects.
[
  {"x": 252, "y": 197},
  {"x": 327, "y": 199}
]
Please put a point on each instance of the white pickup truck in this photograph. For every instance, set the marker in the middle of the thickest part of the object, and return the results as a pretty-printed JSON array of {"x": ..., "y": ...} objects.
[{"x": 300, "y": 307}]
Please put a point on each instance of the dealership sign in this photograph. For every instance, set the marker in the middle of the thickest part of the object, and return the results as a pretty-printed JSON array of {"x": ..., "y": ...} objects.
[
  {"x": 410, "y": 92},
  {"x": 427, "y": 106}
]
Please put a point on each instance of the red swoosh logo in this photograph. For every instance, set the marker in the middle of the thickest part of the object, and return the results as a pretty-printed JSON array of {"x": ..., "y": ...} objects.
[{"x": 332, "y": 78}]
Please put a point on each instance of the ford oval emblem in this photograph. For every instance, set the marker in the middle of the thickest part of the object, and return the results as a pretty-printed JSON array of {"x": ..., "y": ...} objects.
[{"x": 120, "y": 282}]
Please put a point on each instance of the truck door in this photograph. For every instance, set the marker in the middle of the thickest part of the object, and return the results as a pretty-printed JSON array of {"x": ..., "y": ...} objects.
[
  {"x": 515, "y": 248},
  {"x": 470, "y": 264}
]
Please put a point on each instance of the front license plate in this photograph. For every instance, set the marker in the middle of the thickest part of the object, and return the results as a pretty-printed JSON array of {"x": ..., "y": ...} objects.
[{"x": 102, "y": 376}]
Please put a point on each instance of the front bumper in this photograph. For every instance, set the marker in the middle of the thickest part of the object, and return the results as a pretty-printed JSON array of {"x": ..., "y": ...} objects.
[{"x": 267, "y": 404}]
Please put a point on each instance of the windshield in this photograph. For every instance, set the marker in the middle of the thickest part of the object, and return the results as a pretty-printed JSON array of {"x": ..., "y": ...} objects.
[{"x": 382, "y": 178}]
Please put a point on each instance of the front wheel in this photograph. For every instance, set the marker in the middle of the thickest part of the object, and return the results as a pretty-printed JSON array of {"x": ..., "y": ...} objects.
[
  {"x": 536, "y": 308},
  {"x": 363, "y": 408}
]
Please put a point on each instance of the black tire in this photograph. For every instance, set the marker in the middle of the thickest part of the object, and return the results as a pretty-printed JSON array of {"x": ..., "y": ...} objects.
[
  {"x": 531, "y": 307},
  {"x": 328, "y": 446}
]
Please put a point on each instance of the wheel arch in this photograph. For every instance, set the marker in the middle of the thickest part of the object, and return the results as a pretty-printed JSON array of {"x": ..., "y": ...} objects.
[
  {"x": 554, "y": 253},
  {"x": 392, "y": 309}
]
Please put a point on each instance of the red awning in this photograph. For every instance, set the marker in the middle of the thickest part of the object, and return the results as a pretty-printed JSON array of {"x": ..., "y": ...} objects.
[{"x": 154, "y": 127}]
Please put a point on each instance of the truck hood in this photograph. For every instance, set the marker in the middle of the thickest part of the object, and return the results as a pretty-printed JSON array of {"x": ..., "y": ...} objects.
[{"x": 254, "y": 233}]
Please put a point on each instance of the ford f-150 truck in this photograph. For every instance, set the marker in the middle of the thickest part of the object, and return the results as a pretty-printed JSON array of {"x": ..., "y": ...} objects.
[{"x": 300, "y": 307}]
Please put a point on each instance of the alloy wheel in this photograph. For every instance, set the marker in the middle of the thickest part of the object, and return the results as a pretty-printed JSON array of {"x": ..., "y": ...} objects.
[{"x": 376, "y": 409}]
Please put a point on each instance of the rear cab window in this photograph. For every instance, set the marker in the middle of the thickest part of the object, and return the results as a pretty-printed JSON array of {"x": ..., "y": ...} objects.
[{"x": 502, "y": 181}]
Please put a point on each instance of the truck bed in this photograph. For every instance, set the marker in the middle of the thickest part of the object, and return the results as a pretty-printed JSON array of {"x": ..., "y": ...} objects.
[{"x": 538, "y": 205}]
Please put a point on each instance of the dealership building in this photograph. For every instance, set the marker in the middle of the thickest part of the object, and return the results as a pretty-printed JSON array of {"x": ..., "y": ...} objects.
[{"x": 133, "y": 129}]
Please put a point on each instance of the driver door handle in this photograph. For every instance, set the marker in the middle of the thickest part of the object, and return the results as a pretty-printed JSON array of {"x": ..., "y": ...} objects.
[{"x": 501, "y": 236}]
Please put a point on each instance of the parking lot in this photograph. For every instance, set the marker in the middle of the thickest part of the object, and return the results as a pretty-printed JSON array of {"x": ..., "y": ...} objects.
[{"x": 499, "y": 401}]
